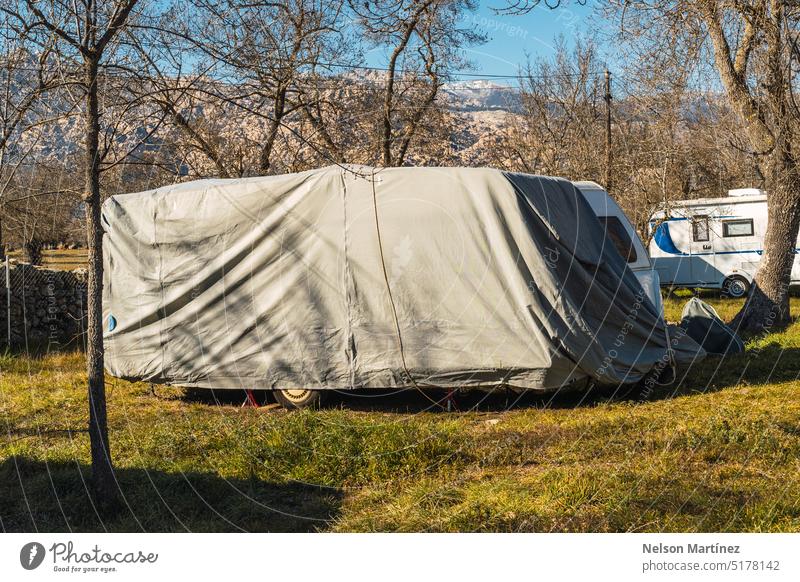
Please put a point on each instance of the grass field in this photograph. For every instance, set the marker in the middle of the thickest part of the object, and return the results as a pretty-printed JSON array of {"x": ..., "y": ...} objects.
[
  {"x": 63, "y": 259},
  {"x": 719, "y": 451}
]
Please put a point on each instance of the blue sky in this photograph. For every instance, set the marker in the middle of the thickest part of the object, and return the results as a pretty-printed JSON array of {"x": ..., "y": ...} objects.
[{"x": 512, "y": 37}]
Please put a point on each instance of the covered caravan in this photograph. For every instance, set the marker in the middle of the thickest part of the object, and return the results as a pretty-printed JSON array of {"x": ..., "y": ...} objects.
[{"x": 353, "y": 277}]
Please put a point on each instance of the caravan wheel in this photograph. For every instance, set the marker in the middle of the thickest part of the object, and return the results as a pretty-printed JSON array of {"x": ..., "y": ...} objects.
[
  {"x": 300, "y": 398},
  {"x": 736, "y": 287}
]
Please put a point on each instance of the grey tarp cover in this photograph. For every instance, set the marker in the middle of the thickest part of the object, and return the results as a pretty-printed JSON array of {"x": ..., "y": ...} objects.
[
  {"x": 703, "y": 325},
  {"x": 279, "y": 282}
]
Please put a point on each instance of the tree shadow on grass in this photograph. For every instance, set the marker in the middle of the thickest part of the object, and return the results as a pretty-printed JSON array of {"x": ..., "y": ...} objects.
[
  {"x": 770, "y": 364},
  {"x": 52, "y": 497},
  {"x": 410, "y": 400}
]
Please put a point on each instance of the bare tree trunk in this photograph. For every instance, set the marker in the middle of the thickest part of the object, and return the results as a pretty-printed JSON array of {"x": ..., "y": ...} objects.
[
  {"x": 32, "y": 250},
  {"x": 265, "y": 161},
  {"x": 386, "y": 137},
  {"x": 202, "y": 144},
  {"x": 334, "y": 152},
  {"x": 103, "y": 479},
  {"x": 388, "y": 96},
  {"x": 768, "y": 304},
  {"x": 609, "y": 151},
  {"x": 278, "y": 112},
  {"x": 767, "y": 307},
  {"x": 415, "y": 120}
]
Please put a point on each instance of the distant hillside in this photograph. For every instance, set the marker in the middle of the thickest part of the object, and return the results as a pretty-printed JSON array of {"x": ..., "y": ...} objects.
[
  {"x": 481, "y": 107},
  {"x": 481, "y": 95}
]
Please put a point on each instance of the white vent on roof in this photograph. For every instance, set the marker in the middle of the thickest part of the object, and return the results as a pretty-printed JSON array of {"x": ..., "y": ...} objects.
[{"x": 746, "y": 192}]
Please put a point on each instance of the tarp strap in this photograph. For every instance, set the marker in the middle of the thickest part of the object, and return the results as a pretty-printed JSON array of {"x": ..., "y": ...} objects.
[{"x": 348, "y": 284}]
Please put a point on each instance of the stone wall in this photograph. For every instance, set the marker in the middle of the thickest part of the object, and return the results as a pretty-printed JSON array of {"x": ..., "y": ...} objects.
[{"x": 48, "y": 307}]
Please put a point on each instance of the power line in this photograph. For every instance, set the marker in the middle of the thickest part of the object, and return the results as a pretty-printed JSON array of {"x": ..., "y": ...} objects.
[
  {"x": 452, "y": 74},
  {"x": 466, "y": 74}
]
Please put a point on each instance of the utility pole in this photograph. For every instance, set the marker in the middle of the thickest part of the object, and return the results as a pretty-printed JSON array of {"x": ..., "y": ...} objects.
[
  {"x": 607, "y": 99},
  {"x": 8, "y": 299}
]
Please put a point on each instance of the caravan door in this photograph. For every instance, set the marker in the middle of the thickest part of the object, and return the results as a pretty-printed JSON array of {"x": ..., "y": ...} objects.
[
  {"x": 740, "y": 243},
  {"x": 703, "y": 256}
]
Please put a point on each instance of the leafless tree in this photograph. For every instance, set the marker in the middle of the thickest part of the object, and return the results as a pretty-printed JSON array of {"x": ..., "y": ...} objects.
[
  {"x": 425, "y": 39},
  {"x": 260, "y": 62},
  {"x": 670, "y": 142},
  {"x": 751, "y": 47},
  {"x": 25, "y": 79},
  {"x": 525, "y": 6},
  {"x": 88, "y": 52},
  {"x": 558, "y": 129}
]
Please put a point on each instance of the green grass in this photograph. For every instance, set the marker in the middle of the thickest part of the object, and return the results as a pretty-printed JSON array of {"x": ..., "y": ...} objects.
[
  {"x": 726, "y": 308},
  {"x": 719, "y": 451}
]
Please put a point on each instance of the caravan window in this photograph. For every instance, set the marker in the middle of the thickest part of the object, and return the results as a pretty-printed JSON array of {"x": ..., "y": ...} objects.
[
  {"x": 737, "y": 227},
  {"x": 619, "y": 236},
  {"x": 700, "y": 228}
]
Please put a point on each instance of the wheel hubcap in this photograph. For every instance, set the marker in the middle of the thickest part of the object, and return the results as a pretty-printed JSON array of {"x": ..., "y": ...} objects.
[
  {"x": 297, "y": 395},
  {"x": 737, "y": 288}
]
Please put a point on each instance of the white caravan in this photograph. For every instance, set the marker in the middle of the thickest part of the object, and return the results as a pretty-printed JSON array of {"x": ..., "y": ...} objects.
[
  {"x": 711, "y": 243},
  {"x": 625, "y": 239}
]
